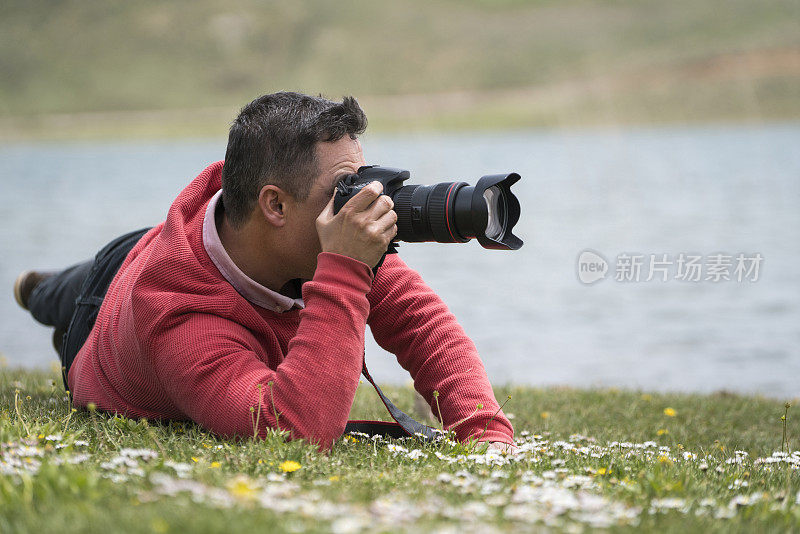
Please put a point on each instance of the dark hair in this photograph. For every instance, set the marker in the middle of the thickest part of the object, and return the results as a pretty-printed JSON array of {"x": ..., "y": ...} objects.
[{"x": 273, "y": 140}]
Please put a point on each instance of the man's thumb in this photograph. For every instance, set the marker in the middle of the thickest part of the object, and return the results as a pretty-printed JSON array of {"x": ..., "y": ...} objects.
[{"x": 327, "y": 212}]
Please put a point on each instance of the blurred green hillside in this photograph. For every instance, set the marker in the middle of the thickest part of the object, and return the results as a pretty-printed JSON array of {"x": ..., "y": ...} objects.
[{"x": 94, "y": 68}]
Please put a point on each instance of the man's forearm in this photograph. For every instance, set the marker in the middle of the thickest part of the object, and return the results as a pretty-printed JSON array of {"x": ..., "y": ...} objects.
[{"x": 410, "y": 320}]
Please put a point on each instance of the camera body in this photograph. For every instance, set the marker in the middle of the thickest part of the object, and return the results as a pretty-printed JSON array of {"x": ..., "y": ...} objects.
[{"x": 391, "y": 179}]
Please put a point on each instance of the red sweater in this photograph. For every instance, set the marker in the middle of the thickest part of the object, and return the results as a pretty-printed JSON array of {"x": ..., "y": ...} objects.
[{"x": 174, "y": 340}]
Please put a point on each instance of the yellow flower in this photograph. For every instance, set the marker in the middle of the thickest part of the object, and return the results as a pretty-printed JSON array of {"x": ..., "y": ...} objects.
[
  {"x": 544, "y": 415},
  {"x": 334, "y": 478},
  {"x": 662, "y": 431},
  {"x": 289, "y": 466},
  {"x": 602, "y": 471},
  {"x": 159, "y": 525},
  {"x": 670, "y": 412},
  {"x": 194, "y": 459},
  {"x": 242, "y": 488},
  {"x": 664, "y": 460},
  {"x": 215, "y": 464}
]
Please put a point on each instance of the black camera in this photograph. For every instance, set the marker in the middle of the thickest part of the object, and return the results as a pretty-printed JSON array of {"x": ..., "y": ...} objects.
[{"x": 448, "y": 212}]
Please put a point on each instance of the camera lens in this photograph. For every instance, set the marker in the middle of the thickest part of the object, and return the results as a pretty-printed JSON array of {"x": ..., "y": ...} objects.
[
  {"x": 428, "y": 213},
  {"x": 451, "y": 212},
  {"x": 496, "y": 204}
]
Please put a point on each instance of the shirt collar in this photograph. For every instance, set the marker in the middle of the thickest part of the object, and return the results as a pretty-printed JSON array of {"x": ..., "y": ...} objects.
[{"x": 246, "y": 286}]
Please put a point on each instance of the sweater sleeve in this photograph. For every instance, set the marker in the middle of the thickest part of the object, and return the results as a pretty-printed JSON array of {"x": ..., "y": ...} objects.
[
  {"x": 408, "y": 319},
  {"x": 210, "y": 368}
]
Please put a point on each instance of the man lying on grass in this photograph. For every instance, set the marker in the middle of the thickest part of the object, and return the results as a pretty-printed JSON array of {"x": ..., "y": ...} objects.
[{"x": 254, "y": 295}]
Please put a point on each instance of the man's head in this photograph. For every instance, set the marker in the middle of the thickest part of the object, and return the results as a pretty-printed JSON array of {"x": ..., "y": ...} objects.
[
  {"x": 286, "y": 151},
  {"x": 274, "y": 140}
]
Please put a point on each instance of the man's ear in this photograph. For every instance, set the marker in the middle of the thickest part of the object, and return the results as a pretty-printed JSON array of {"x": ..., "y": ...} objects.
[{"x": 271, "y": 203}]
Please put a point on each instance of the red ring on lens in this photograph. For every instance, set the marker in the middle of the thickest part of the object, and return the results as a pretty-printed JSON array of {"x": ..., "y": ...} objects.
[{"x": 447, "y": 210}]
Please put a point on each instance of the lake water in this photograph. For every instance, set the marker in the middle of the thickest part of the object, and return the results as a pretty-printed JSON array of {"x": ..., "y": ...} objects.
[{"x": 699, "y": 190}]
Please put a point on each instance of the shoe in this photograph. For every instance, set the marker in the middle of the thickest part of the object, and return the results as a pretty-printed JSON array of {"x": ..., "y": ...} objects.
[{"x": 25, "y": 283}]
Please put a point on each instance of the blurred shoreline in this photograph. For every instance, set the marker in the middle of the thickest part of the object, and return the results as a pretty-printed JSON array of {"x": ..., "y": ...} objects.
[
  {"x": 96, "y": 70},
  {"x": 749, "y": 87}
]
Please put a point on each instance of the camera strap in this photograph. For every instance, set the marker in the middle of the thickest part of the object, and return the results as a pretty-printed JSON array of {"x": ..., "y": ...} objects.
[{"x": 402, "y": 426}]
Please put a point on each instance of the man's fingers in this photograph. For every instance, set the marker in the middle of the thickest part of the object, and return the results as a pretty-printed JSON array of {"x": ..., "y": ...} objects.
[
  {"x": 381, "y": 207},
  {"x": 387, "y": 221},
  {"x": 390, "y": 232},
  {"x": 505, "y": 448},
  {"x": 362, "y": 200}
]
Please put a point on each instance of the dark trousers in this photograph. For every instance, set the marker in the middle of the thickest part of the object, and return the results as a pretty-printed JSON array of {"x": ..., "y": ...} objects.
[
  {"x": 70, "y": 299},
  {"x": 52, "y": 302}
]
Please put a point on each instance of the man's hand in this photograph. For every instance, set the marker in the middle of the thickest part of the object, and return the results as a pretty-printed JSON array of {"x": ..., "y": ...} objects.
[
  {"x": 503, "y": 447},
  {"x": 362, "y": 229}
]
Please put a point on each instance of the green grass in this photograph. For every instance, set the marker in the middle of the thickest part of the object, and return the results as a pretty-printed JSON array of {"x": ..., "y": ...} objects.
[
  {"x": 475, "y": 64},
  {"x": 590, "y": 458}
]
